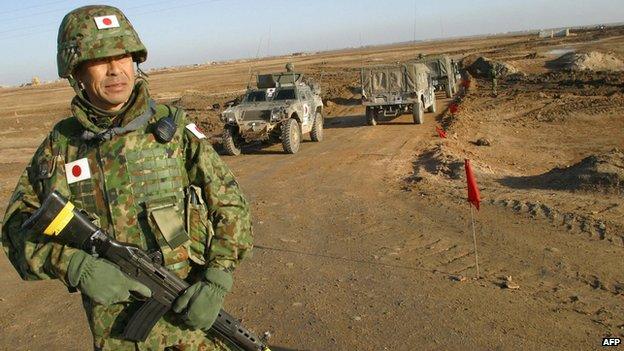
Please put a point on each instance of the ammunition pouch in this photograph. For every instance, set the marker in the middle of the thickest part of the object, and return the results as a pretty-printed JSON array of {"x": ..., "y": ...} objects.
[{"x": 163, "y": 217}]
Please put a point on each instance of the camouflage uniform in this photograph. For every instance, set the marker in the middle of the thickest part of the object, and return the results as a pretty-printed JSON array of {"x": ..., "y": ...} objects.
[
  {"x": 134, "y": 179},
  {"x": 494, "y": 75}
]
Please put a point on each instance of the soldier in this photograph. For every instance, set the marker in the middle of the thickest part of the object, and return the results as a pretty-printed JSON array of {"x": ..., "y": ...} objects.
[
  {"x": 494, "y": 75},
  {"x": 290, "y": 67},
  {"x": 142, "y": 172}
]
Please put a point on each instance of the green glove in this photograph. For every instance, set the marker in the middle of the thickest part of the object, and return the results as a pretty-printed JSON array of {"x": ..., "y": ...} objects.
[
  {"x": 102, "y": 281},
  {"x": 203, "y": 300}
]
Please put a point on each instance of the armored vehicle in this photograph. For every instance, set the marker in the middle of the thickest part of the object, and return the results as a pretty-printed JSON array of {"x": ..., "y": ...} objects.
[
  {"x": 444, "y": 72},
  {"x": 389, "y": 91},
  {"x": 282, "y": 107}
]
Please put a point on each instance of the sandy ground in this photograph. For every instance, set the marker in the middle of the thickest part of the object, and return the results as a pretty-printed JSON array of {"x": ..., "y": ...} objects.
[{"x": 362, "y": 240}]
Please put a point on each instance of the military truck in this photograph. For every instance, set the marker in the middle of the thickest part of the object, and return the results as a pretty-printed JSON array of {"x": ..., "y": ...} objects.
[
  {"x": 389, "y": 91},
  {"x": 444, "y": 72},
  {"x": 282, "y": 107}
]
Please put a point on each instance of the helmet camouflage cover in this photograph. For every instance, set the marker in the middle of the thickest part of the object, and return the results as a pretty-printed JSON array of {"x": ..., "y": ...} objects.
[{"x": 95, "y": 32}]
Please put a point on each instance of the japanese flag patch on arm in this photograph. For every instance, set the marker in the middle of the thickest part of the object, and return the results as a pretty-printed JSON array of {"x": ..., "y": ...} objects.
[
  {"x": 198, "y": 133},
  {"x": 77, "y": 170}
]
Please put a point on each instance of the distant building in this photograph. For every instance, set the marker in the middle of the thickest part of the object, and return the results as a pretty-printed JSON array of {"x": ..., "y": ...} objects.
[
  {"x": 562, "y": 33},
  {"x": 551, "y": 33}
]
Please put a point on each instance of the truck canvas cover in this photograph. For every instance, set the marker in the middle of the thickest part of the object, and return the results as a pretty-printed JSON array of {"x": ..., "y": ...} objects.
[
  {"x": 401, "y": 78},
  {"x": 440, "y": 65}
]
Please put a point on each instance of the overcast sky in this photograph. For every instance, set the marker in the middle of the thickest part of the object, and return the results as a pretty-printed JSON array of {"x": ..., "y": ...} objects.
[{"x": 195, "y": 31}]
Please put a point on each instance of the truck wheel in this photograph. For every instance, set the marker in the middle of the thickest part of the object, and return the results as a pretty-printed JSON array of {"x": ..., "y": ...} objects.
[
  {"x": 418, "y": 113},
  {"x": 449, "y": 90},
  {"x": 316, "y": 134},
  {"x": 231, "y": 141},
  {"x": 291, "y": 136},
  {"x": 433, "y": 108},
  {"x": 370, "y": 116}
]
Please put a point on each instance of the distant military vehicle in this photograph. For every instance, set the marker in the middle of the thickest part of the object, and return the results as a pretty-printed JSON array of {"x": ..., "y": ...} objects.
[
  {"x": 444, "y": 72},
  {"x": 282, "y": 107},
  {"x": 389, "y": 91}
]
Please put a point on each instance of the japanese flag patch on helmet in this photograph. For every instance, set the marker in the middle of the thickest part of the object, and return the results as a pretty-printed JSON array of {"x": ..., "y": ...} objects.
[{"x": 105, "y": 22}]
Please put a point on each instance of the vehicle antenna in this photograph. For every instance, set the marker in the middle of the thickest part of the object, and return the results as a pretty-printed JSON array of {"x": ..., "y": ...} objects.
[
  {"x": 268, "y": 52},
  {"x": 415, "y": 12},
  {"x": 321, "y": 79},
  {"x": 253, "y": 62}
]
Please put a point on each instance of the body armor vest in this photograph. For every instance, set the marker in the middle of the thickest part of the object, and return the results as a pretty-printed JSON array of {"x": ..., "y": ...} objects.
[{"x": 138, "y": 191}]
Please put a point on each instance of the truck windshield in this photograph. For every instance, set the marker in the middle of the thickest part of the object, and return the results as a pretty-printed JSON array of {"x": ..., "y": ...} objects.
[
  {"x": 285, "y": 94},
  {"x": 258, "y": 95}
]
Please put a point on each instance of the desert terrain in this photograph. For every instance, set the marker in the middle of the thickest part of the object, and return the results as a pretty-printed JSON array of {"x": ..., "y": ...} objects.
[{"x": 363, "y": 241}]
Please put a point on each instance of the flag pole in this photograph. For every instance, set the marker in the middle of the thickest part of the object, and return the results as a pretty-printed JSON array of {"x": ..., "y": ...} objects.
[{"x": 474, "y": 239}]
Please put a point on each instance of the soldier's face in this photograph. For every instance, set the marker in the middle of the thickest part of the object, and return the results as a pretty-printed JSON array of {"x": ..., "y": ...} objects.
[{"x": 108, "y": 82}]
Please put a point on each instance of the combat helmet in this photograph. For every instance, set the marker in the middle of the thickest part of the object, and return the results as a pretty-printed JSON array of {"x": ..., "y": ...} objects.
[
  {"x": 95, "y": 32},
  {"x": 290, "y": 67}
]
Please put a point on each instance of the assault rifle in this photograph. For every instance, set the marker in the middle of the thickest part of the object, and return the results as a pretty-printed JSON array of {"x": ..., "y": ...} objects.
[{"x": 58, "y": 219}]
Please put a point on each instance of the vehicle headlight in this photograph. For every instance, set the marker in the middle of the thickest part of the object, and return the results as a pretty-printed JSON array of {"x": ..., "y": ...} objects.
[
  {"x": 277, "y": 114},
  {"x": 228, "y": 117}
]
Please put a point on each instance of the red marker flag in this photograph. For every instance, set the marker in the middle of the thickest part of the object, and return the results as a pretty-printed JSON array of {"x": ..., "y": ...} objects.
[
  {"x": 453, "y": 107},
  {"x": 465, "y": 83},
  {"x": 473, "y": 190},
  {"x": 441, "y": 132}
]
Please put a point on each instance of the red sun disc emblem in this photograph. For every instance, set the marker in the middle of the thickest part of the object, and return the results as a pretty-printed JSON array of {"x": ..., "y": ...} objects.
[
  {"x": 107, "y": 21},
  {"x": 76, "y": 171},
  {"x": 199, "y": 130}
]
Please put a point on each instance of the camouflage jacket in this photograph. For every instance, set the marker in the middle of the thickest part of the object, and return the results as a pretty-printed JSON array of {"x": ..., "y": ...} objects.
[{"x": 133, "y": 186}]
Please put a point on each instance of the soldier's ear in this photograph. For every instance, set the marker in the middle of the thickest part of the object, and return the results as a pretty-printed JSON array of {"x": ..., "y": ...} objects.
[{"x": 76, "y": 76}]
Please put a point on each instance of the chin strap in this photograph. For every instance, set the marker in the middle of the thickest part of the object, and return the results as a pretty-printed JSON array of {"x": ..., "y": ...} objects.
[
  {"x": 133, "y": 125},
  {"x": 74, "y": 84},
  {"x": 141, "y": 73}
]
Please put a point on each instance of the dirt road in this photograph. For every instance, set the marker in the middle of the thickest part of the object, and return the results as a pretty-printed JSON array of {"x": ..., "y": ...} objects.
[
  {"x": 349, "y": 260},
  {"x": 352, "y": 253}
]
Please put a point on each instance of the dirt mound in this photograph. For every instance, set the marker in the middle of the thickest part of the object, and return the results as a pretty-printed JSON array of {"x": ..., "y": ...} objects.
[
  {"x": 592, "y": 61},
  {"x": 596, "y": 173},
  {"x": 204, "y": 110},
  {"x": 482, "y": 68},
  {"x": 438, "y": 161}
]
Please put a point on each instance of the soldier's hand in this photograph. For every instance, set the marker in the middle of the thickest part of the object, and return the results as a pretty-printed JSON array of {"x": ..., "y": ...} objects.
[
  {"x": 202, "y": 301},
  {"x": 102, "y": 281}
]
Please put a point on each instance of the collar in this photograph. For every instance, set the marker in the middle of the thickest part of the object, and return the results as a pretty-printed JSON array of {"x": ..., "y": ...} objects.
[{"x": 98, "y": 121}]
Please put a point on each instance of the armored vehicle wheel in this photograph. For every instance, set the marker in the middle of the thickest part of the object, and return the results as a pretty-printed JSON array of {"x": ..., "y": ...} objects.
[
  {"x": 418, "y": 113},
  {"x": 231, "y": 141},
  {"x": 291, "y": 136},
  {"x": 316, "y": 134},
  {"x": 433, "y": 108},
  {"x": 370, "y": 116},
  {"x": 449, "y": 90}
]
